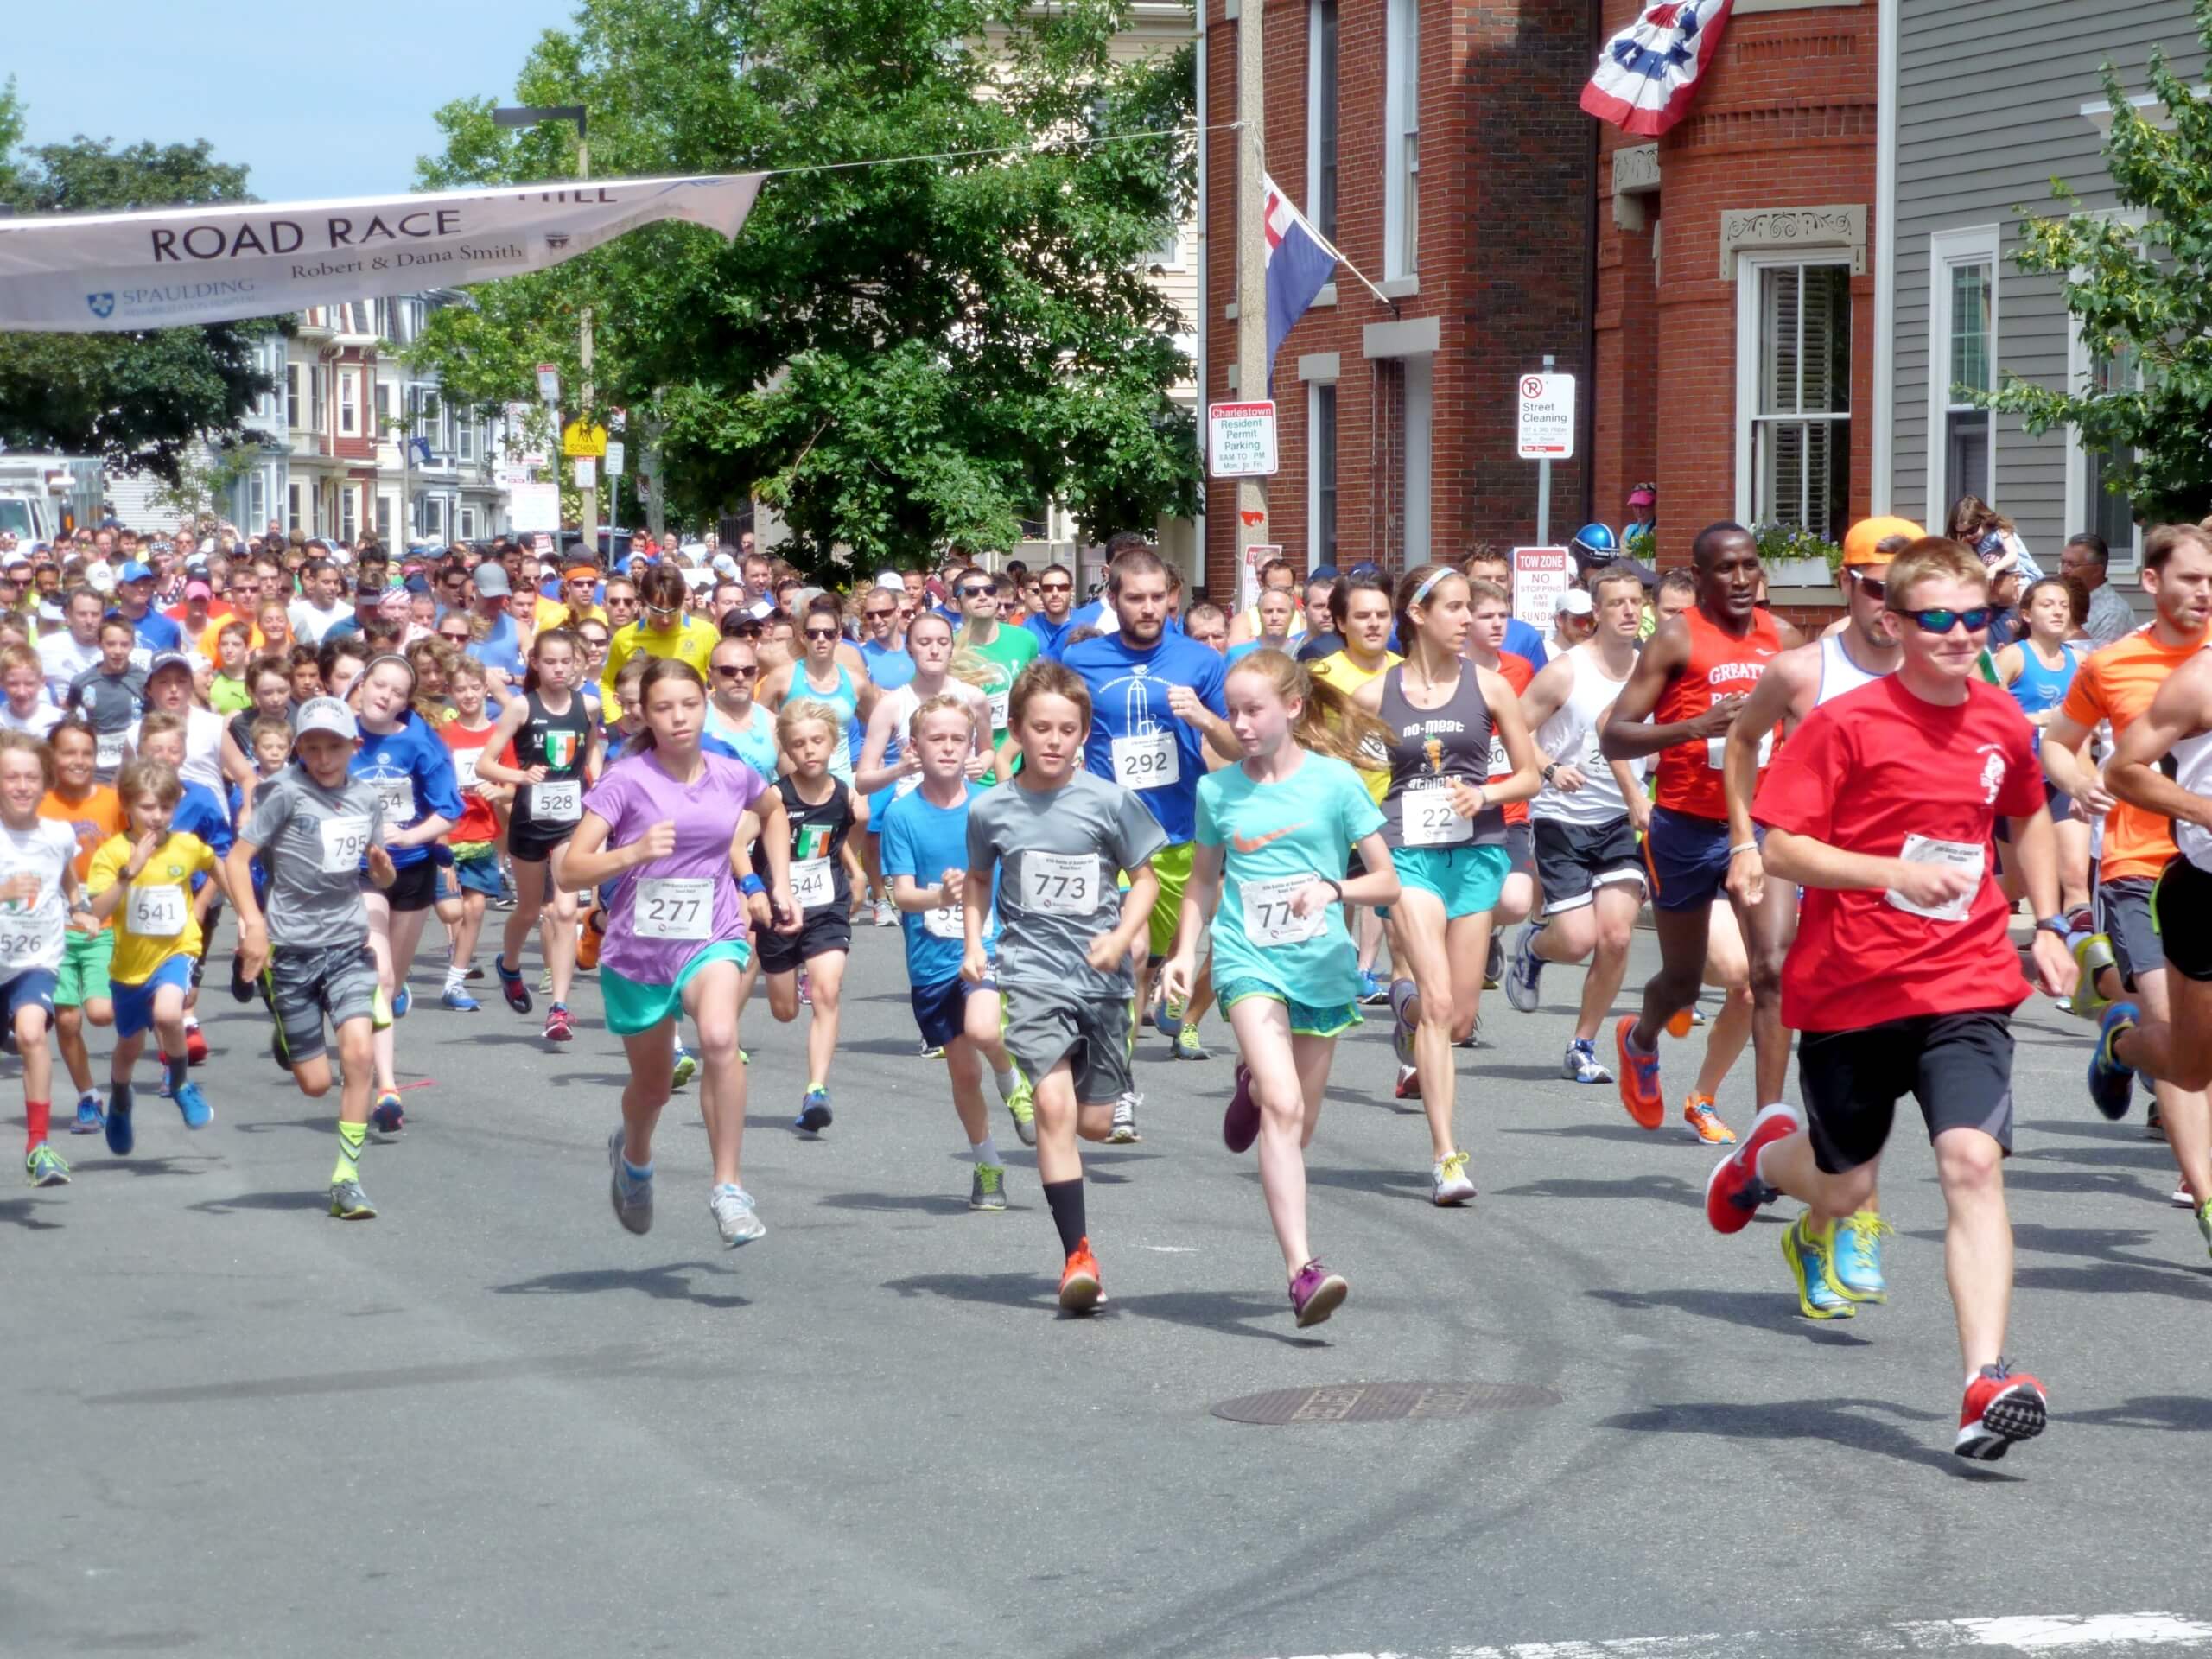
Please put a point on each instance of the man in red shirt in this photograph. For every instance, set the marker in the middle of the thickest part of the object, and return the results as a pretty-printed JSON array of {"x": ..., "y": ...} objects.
[{"x": 1882, "y": 806}]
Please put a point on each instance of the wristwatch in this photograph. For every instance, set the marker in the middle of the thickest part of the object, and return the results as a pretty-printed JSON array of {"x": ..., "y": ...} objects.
[
  {"x": 2053, "y": 924},
  {"x": 1550, "y": 768}
]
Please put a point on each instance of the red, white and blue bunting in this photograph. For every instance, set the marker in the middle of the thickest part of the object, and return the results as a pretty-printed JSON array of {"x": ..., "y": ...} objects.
[{"x": 1647, "y": 76}]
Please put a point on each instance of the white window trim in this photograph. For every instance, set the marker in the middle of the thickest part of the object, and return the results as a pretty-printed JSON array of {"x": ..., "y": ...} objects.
[
  {"x": 1312, "y": 204},
  {"x": 1974, "y": 244},
  {"x": 1420, "y": 376},
  {"x": 1399, "y": 15},
  {"x": 1313, "y": 388},
  {"x": 349, "y": 403},
  {"x": 1748, "y": 267}
]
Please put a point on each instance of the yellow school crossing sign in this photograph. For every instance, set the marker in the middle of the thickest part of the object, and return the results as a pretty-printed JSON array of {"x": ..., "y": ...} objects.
[{"x": 578, "y": 439}]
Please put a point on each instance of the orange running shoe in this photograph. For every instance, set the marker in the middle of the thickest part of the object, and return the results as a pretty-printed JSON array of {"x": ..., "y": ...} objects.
[
  {"x": 1679, "y": 1023},
  {"x": 1639, "y": 1079},
  {"x": 1705, "y": 1122},
  {"x": 1080, "y": 1290},
  {"x": 587, "y": 937}
]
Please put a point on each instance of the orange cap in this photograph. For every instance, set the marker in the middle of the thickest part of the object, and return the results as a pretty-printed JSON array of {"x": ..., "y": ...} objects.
[{"x": 1859, "y": 546}]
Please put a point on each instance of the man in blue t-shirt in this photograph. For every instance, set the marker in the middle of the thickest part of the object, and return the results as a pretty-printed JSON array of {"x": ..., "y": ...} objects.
[
  {"x": 1055, "y": 617},
  {"x": 1156, "y": 701},
  {"x": 882, "y": 646},
  {"x": 134, "y": 602}
]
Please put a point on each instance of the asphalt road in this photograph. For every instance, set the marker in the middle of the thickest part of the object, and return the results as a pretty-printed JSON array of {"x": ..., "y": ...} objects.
[{"x": 492, "y": 1421}]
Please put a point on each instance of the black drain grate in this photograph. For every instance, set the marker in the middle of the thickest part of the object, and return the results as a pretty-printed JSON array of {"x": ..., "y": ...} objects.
[{"x": 1381, "y": 1403}]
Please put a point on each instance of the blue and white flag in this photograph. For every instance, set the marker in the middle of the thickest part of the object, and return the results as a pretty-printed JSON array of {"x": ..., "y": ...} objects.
[
  {"x": 1647, "y": 76},
  {"x": 1300, "y": 263}
]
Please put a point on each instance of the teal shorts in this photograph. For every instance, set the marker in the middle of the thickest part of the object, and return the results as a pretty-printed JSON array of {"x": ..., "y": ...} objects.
[
  {"x": 1466, "y": 880},
  {"x": 632, "y": 1009},
  {"x": 1306, "y": 1019},
  {"x": 84, "y": 961}
]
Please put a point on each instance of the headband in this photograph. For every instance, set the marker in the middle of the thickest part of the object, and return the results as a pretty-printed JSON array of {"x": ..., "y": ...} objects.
[{"x": 1421, "y": 592}]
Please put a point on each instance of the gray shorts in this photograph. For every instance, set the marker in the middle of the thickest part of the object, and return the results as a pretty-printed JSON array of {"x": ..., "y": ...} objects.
[
  {"x": 308, "y": 984},
  {"x": 1043, "y": 1028},
  {"x": 2124, "y": 916}
]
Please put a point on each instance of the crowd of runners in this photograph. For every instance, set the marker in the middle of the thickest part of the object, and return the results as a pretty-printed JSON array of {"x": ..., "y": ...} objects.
[{"x": 1090, "y": 815}]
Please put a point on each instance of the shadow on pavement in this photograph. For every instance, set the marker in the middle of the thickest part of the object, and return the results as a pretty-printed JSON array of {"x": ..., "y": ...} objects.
[
  {"x": 287, "y": 1200},
  {"x": 934, "y": 1203},
  {"x": 327, "y": 1124},
  {"x": 665, "y": 1284},
  {"x": 1758, "y": 1310},
  {"x": 1362, "y": 1180},
  {"x": 1845, "y": 1423},
  {"x": 2181, "y": 1411},
  {"x": 1624, "y": 1132},
  {"x": 23, "y": 1213},
  {"x": 1673, "y": 1189},
  {"x": 1229, "y": 1312}
]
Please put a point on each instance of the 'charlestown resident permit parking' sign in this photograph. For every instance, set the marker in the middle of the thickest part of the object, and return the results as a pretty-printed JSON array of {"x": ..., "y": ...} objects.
[{"x": 104, "y": 272}]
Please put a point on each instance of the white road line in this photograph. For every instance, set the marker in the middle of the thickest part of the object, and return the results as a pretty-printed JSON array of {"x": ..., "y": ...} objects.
[{"x": 2091, "y": 1636}]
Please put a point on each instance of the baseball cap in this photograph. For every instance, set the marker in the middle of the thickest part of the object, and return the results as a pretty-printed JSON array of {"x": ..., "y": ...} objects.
[
  {"x": 197, "y": 589},
  {"x": 1575, "y": 602},
  {"x": 1859, "y": 543},
  {"x": 168, "y": 659},
  {"x": 325, "y": 715},
  {"x": 490, "y": 580},
  {"x": 888, "y": 580},
  {"x": 99, "y": 576},
  {"x": 1321, "y": 573},
  {"x": 134, "y": 571},
  {"x": 725, "y": 565}
]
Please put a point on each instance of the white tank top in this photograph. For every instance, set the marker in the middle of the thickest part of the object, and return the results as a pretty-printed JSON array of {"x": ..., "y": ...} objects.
[
  {"x": 1570, "y": 737},
  {"x": 2192, "y": 759},
  {"x": 1839, "y": 674}
]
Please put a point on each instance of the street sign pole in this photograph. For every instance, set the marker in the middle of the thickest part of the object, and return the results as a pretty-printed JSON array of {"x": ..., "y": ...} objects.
[
  {"x": 1544, "y": 487},
  {"x": 1251, "y": 257}
]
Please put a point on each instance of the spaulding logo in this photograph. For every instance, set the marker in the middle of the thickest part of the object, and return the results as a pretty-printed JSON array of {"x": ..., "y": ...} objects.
[{"x": 102, "y": 305}]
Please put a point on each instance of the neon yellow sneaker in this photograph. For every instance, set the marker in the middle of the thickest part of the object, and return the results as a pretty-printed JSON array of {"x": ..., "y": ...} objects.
[{"x": 1021, "y": 1106}]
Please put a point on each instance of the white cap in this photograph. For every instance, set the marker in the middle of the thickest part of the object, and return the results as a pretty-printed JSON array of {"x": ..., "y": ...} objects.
[
  {"x": 888, "y": 580},
  {"x": 99, "y": 576},
  {"x": 1575, "y": 602},
  {"x": 325, "y": 715}
]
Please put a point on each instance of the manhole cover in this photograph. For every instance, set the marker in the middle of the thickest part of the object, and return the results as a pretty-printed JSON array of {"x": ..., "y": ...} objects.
[{"x": 1378, "y": 1403}]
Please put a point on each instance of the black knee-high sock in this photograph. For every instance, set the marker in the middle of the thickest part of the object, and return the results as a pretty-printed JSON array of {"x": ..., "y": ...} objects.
[{"x": 1066, "y": 1200}]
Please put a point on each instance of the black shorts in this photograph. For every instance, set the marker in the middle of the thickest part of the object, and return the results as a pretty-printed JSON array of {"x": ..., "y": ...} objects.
[
  {"x": 534, "y": 844},
  {"x": 1959, "y": 1066},
  {"x": 828, "y": 929},
  {"x": 1521, "y": 847},
  {"x": 941, "y": 1010},
  {"x": 1574, "y": 860},
  {"x": 414, "y": 887},
  {"x": 2124, "y": 916},
  {"x": 2181, "y": 915}
]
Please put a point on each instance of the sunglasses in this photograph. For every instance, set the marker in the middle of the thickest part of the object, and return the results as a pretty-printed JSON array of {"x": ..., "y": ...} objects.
[
  {"x": 662, "y": 610},
  {"x": 452, "y": 638},
  {"x": 822, "y": 633},
  {"x": 878, "y": 616},
  {"x": 977, "y": 591},
  {"x": 1056, "y": 587},
  {"x": 1937, "y": 620},
  {"x": 1875, "y": 587},
  {"x": 736, "y": 670}
]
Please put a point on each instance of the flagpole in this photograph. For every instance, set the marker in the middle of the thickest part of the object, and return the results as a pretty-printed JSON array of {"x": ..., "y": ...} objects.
[{"x": 1251, "y": 525}]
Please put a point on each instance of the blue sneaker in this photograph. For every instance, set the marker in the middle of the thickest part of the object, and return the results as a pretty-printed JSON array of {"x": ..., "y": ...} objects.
[
  {"x": 1807, "y": 1253},
  {"x": 1580, "y": 1062},
  {"x": 401, "y": 1001},
  {"x": 511, "y": 985},
  {"x": 460, "y": 1000},
  {"x": 2109, "y": 1079},
  {"x": 198, "y": 1114},
  {"x": 387, "y": 1118},
  {"x": 89, "y": 1119},
  {"x": 120, "y": 1139},
  {"x": 1855, "y": 1263},
  {"x": 814, "y": 1114},
  {"x": 1524, "y": 971},
  {"x": 1170, "y": 1022},
  {"x": 1371, "y": 987}
]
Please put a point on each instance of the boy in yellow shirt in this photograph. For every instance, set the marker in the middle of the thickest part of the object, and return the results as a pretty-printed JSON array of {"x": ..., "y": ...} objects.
[{"x": 144, "y": 880}]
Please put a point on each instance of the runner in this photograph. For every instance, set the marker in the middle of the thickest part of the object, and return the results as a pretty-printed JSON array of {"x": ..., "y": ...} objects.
[
  {"x": 1882, "y": 806},
  {"x": 143, "y": 879},
  {"x": 1004, "y": 649},
  {"x": 201, "y": 812},
  {"x": 1272, "y": 837},
  {"x": 25, "y": 708},
  {"x": 1155, "y": 705},
  {"x": 1444, "y": 824},
  {"x": 311, "y": 950},
  {"x": 1251, "y": 627},
  {"x": 666, "y": 826},
  {"x": 94, "y": 816},
  {"x": 110, "y": 695},
  {"x": 818, "y": 676},
  {"x": 1687, "y": 688},
  {"x": 2038, "y": 670},
  {"x": 556, "y": 752},
  {"x": 883, "y": 643},
  {"x": 2118, "y": 684},
  {"x": 926, "y": 841},
  {"x": 38, "y": 896},
  {"x": 1492, "y": 605},
  {"x": 888, "y": 767},
  {"x": 1277, "y": 618},
  {"x": 733, "y": 717},
  {"x": 662, "y": 629},
  {"x": 1584, "y": 823},
  {"x": 1061, "y": 832},
  {"x": 1055, "y": 612},
  {"x": 472, "y": 881}
]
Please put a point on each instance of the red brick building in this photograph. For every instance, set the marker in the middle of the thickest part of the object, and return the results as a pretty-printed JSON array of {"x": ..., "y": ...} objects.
[{"x": 1710, "y": 290}]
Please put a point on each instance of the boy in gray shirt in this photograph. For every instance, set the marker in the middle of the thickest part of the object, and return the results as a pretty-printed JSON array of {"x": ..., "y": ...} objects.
[
  {"x": 1057, "y": 838},
  {"x": 312, "y": 953}
]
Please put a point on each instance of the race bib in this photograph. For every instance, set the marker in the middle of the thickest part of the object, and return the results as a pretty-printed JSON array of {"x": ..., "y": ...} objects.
[
  {"x": 345, "y": 844},
  {"x": 1924, "y": 850},
  {"x": 1148, "y": 762},
  {"x": 1268, "y": 919},
  {"x": 814, "y": 884},
  {"x": 945, "y": 922},
  {"x": 673, "y": 908},
  {"x": 1427, "y": 819},
  {"x": 156, "y": 912},
  {"x": 464, "y": 767},
  {"x": 107, "y": 749},
  {"x": 397, "y": 795},
  {"x": 561, "y": 802},
  {"x": 1059, "y": 883},
  {"x": 1500, "y": 766},
  {"x": 998, "y": 700},
  {"x": 1716, "y": 750},
  {"x": 22, "y": 940}
]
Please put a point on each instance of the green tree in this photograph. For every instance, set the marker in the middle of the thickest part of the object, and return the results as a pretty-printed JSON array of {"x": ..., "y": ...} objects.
[
  {"x": 138, "y": 401},
  {"x": 899, "y": 359},
  {"x": 2142, "y": 296}
]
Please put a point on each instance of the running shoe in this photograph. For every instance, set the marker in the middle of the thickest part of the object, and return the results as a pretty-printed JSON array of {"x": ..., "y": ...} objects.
[
  {"x": 734, "y": 1216},
  {"x": 460, "y": 1000},
  {"x": 44, "y": 1167},
  {"x": 379, "y": 1013},
  {"x": 2092, "y": 955},
  {"x": 241, "y": 986},
  {"x": 545, "y": 983},
  {"x": 89, "y": 1119},
  {"x": 2110, "y": 1080},
  {"x": 805, "y": 990},
  {"x": 630, "y": 1195},
  {"x": 1580, "y": 1062},
  {"x": 927, "y": 1052},
  {"x": 1021, "y": 1106},
  {"x": 1187, "y": 1045},
  {"x": 511, "y": 986},
  {"x": 1409, "y": 1086},
  {"x": 2154, "y": 1127},
  {"x": 1525, "y": 973},
  {"x": 588, "y": 938},
  {"x": 2183, "y": 1198},
  {"x": 988, "y": 1191},
  {"x": 197, "y": 1113},
  {"x": 195, "y": 1046},
  {"x": 1705, "y": 1122},
  {"x": 1449, "y": 1183},
  {"x": 2002, "y": 1407},
  {"x": 1169, "y": 1022},
  {"x": 120, "y": 1139},
  {"x": 559, "y": 1027},
  {"x": 1316, "y": 1293},
  {"x": 1807, "y": 1253},
  {"x": 1080, "y": 1289},
  {"x": 886, "y": 915},
  {"x": 1494, "y": 961},
  {"x": 814, "y": 1114},
  {"x": 475, "y": 971},
  {"x": 402, "y": 1000},
  {"x": 1372, "y": 989},
  {"x": 349, "y": 1203},
  {"x": 1855, "y": 1257},
  {"x": 684, "y": 1068},
  {"x": 1639, "y": 1079},
  {"x": 1240, "y": 1124},
  {"x": 2204, "y": 1222},
  {"x": 1124, "y": 1130},
  {"x": 1401, "y": 1029},
  {"x": 387, "y": 1119},
  {"x": 1734, "y": 1192}
]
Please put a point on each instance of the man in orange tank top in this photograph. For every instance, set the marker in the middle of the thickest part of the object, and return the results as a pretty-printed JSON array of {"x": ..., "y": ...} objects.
[{"x": 1689, "y": 683}]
